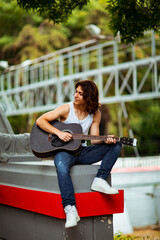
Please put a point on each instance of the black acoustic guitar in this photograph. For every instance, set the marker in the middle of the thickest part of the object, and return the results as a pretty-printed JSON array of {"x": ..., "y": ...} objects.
[{"x": 45, "y": 145}]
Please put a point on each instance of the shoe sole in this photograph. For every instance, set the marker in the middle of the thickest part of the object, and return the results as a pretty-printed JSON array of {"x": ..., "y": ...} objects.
[
  {"x": 73, "y": 225},
  {"x": 77, "y": 220},
  {"x": 93, "y": 188}
]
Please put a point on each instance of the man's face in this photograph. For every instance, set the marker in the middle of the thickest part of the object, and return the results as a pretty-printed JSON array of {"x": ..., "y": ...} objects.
[{"x": 78, "y": 96}]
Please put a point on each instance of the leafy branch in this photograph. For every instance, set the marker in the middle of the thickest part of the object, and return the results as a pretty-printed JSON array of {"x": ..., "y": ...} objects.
[
  {"x": 130, "y": 18},
  {"x": 56, "y": 10},
  {"x": 133, "y": 17}
]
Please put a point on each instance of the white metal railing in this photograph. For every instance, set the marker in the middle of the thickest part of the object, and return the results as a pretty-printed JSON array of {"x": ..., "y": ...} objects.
[
  {"x": 148, "y": 163},
  {"x": 122, "y": 73}
]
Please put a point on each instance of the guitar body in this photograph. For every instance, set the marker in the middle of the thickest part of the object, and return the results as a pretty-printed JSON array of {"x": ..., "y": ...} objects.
[{"x": 45, "y": 145}]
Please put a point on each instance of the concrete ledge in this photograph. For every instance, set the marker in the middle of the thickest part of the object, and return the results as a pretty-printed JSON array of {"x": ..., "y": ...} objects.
[
  {"x": 33, "y": 193},
  {"x": 44, "y": 177}
]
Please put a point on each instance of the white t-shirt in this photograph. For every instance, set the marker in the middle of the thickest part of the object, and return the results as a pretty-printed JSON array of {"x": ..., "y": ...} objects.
[{"x": 85, "y": 123}]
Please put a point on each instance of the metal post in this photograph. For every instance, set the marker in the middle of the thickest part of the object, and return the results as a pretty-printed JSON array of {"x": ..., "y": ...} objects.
[
  {"x": 59, "y": 83},
  {"x": 116, "y": 69},
  {"x": 154, "y": 75}
]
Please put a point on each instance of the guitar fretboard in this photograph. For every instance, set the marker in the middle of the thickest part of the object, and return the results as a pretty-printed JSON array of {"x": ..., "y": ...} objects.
[{"x": 92, "y": 137}]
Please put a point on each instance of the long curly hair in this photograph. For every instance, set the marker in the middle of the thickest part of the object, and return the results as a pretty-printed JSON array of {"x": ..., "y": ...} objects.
[{"x": 90, "y": 95}]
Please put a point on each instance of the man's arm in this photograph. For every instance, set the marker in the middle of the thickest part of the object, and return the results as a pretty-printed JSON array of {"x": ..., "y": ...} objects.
[
  {"x": 44, "y": 122},
  {"x": 94, "y": 130}
]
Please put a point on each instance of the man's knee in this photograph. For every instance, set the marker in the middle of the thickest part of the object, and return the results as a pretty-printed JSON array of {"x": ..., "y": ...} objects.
[
  {"x": 61, "y": 165},
  {"x": 62, "y": 169}
]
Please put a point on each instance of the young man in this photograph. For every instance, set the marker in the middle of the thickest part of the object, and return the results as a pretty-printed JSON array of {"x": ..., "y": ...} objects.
[{"x": 84, "y": 110}]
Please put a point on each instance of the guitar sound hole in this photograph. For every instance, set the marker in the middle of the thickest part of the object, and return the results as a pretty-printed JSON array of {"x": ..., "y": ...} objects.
[{"x": 56, "y": 142}]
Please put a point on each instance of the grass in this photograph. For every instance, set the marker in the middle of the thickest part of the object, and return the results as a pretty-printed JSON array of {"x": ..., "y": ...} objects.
[{"x": 146, "y": 233}]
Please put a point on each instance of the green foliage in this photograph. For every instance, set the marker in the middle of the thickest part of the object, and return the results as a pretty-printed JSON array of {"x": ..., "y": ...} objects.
[
  {"x": 12, "y": 18},
  {"x": 33, "y": 36},
  {"x": 19, "y": 123},
  {"x": 34, "y": 42},
  {"x": 93, "y": 13},
  {"x": 23, "y": 123},
  {"x": 5, "y": 40},
  {"x": 98, "y": 15},
  {"x": 149, "y": 129},
  {"x": 133, "y": 18},
  {"x": 56, "y": 10},
  {"x": 144, "y": 121},
  {"x": 141, "y": 234}
]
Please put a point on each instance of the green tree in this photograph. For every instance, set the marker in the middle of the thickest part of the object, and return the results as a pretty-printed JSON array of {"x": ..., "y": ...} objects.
[
  {"x": 92, "y": 13},
  {"x": 144, "y": 121},
  {"x": 56, "y": 10},
  {"x": 34, "y": 42},
  {"x": 130, "y": 19},
  {"x": 35, "y": 39},
  {"x": 147, "y": 127},
  {"x": 133, "y": 17},
  {"x": 13, "y": 18}
]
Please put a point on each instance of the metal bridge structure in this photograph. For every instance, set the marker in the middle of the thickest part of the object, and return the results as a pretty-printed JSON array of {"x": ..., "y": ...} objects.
[{"x": 122, "y": 73}]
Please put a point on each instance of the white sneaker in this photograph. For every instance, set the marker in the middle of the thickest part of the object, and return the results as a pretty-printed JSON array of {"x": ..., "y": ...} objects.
[
  {"x": 100, "y": 185},
  {"x": 71, "y": 216}
]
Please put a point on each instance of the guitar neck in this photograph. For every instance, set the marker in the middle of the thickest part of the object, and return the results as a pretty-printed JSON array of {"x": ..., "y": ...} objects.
[{"x": 92, "y": 137}]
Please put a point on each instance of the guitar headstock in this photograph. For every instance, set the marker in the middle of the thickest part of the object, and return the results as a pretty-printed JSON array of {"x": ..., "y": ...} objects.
[{"x": 129, "y": 141}]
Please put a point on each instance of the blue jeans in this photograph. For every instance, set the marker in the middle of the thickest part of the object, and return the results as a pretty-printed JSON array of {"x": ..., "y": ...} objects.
[{"x": 108, "y": 153}]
